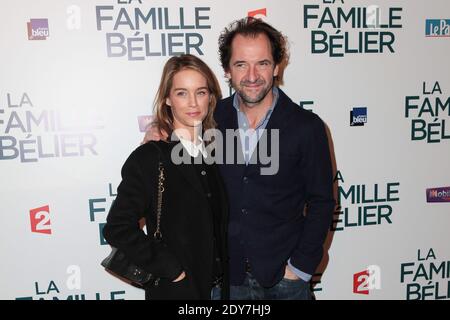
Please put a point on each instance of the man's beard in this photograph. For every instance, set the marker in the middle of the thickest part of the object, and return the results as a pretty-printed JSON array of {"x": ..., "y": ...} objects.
[{"x": 253, "y": 100}]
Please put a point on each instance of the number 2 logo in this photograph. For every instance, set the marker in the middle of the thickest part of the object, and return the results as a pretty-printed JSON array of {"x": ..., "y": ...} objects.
[
  {"x": 367, "y": 280},
  {"x": 40, "y": 220},
  {"x": 361, "y": 282}
]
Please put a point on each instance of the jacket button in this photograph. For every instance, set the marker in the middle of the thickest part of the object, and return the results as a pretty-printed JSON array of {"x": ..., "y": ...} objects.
[{"x": 203, "y": 173}]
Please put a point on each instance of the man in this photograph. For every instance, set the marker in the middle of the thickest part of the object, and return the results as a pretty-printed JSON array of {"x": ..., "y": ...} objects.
[{"x": 274, "y": 243}]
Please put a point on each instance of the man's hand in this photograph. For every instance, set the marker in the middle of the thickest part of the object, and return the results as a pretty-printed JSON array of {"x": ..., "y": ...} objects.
[
  {"x": 180, "y": 277},
  {"x": 289, "y": 274},
  {"x": 153, "y": 134}
]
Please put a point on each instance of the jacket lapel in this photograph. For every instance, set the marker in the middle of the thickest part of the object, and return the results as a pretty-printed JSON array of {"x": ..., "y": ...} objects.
[
  {"x": 279, "y": 117},
  {"x": 230, "y": 122}
]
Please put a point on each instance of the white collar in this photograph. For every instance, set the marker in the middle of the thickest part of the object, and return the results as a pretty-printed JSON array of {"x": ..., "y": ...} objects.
[{"x": 194, "y": 149}]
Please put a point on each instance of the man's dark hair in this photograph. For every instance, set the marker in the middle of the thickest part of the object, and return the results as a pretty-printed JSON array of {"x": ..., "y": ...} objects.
[{"x": 252, "y": 27}]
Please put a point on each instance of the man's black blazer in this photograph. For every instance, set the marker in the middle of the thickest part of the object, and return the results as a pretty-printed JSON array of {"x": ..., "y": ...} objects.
[{"x": 267, "y": 224}]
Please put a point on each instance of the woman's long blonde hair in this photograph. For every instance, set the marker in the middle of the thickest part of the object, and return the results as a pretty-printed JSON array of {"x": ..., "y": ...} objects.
[{"x": 164, "y": 117}]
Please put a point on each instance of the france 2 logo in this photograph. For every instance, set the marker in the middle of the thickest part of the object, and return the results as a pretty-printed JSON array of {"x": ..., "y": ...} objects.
[
  {"x": 40, "y": 220},
  {"x": 258, "y": 14},
  {"x": 367, "y": 280}
]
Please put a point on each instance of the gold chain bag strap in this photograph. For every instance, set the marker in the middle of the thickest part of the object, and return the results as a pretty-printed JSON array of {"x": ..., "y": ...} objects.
[
  {"x": 158, "y": 234},
  {"x": 119, "y": 265}
]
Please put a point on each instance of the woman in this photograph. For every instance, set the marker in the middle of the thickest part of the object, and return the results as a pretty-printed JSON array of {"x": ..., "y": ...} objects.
[{"x": 191, "y": 259}]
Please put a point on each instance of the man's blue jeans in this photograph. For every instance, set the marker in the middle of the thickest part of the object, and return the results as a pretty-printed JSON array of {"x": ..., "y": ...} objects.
[{"x": 286, "y": 289}]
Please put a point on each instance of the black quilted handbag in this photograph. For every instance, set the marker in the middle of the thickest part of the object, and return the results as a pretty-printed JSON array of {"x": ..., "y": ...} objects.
[{"x": 117, "y": 262}]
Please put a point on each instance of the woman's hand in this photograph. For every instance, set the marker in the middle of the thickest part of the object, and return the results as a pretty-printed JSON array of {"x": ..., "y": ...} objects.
[
  {"x": 289, "y": 274},
  {"x": 180, "y": 277},
  {"x": 153, "y": 134}
]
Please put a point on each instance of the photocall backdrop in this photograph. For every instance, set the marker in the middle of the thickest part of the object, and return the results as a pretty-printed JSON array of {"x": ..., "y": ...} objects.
[{"x": 77, "y": 83}]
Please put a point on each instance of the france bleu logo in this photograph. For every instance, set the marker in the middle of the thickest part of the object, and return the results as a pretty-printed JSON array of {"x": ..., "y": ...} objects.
[{"x": 358, "y": 116}]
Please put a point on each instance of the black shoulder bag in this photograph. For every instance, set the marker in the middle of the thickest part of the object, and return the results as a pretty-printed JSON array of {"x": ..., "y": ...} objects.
[{"x": 119, "y": 265}]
